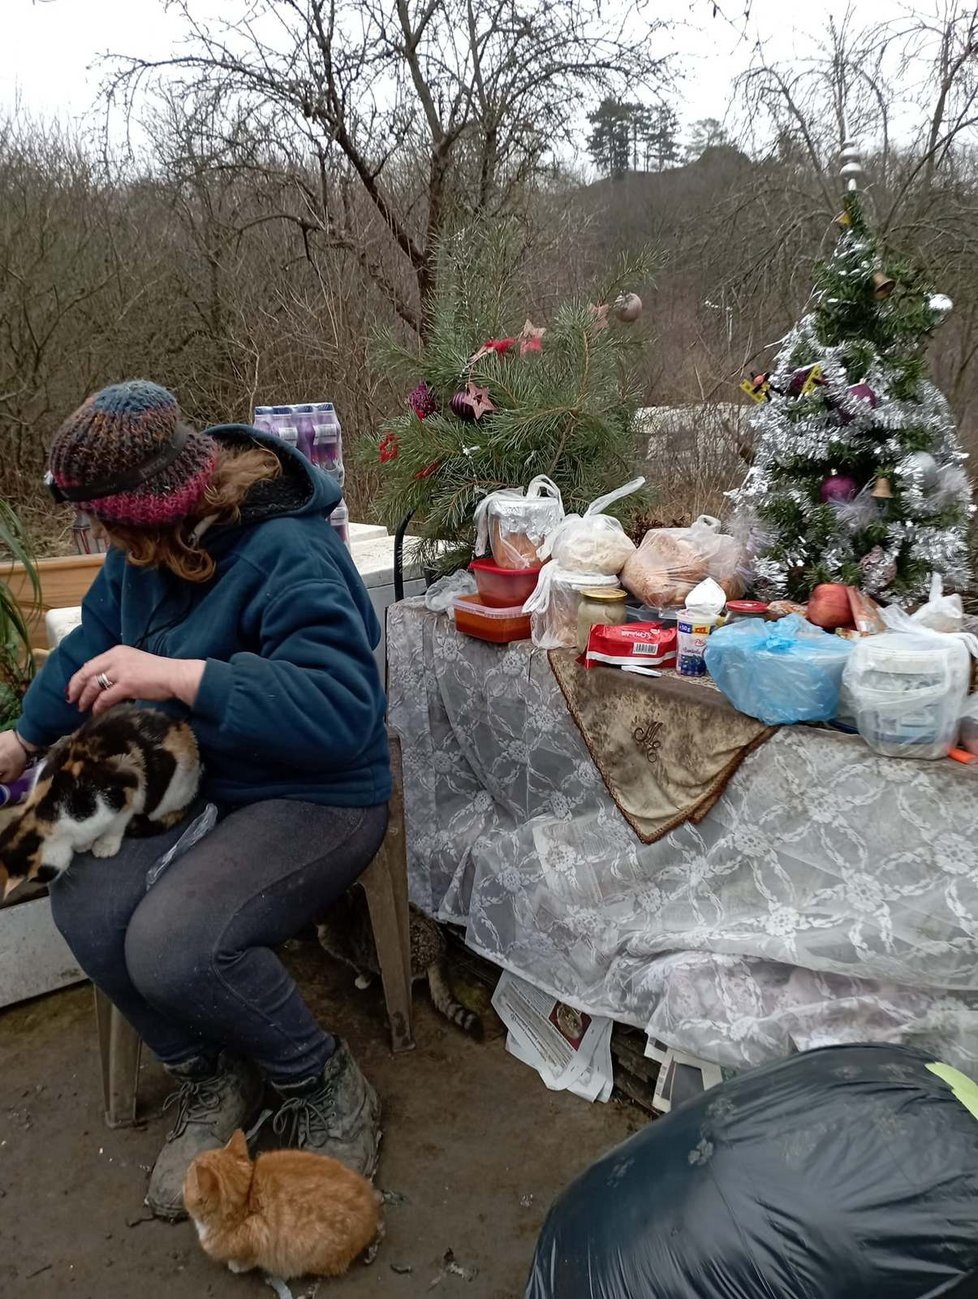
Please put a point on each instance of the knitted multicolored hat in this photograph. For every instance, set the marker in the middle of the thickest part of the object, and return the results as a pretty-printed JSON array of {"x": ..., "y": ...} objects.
[{"x": 128, "y": 447}]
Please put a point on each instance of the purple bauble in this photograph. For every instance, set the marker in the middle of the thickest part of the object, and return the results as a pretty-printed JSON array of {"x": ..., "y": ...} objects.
[
  {"x": 800, "y": 377},
  {"x": 462, "y": 407},
  {"x": 863, "y": 392},
  {"x": 423, "y": 401},
  {"x": 838, "y": 489},
  {"x": 859, "y": 392}
]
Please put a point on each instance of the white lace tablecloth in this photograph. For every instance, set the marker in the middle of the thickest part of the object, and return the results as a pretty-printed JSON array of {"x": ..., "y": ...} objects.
[{"x": 830, "y": 895}]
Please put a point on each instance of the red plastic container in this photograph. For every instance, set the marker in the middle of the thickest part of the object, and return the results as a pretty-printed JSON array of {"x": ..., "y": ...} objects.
[
  {"x": 475, "y": 618},
  {"x": 504, "y": 588}
]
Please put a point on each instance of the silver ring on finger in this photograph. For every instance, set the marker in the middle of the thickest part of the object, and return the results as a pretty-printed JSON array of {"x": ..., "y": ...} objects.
[{"x": 103, "y": 682}]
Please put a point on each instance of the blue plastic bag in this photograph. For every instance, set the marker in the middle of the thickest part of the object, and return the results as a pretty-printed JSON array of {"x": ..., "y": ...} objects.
[{"x": 779, "y": 672}]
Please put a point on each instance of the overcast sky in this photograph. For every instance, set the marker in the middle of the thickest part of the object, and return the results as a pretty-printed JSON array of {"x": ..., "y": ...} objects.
[{"x": 49, "y": 46}]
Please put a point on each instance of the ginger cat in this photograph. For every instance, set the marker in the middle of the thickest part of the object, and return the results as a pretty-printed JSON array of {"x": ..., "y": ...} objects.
[{"x": 289, "y": 1213}]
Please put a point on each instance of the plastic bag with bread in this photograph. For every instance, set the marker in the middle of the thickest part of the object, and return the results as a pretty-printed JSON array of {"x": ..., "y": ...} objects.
[
  {"x": 669, "y": 562},
  {"x": 592, "y": 542}
]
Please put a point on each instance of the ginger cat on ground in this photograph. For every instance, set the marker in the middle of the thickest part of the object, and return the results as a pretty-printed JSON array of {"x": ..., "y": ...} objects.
[{"x": 289, "y": 1213}]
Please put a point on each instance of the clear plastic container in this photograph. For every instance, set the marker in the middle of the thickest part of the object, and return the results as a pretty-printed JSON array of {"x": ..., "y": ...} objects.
[
  {"x": 484, "y": 622},
  {"x": 504, "y": 587},
  {"x": 513, "y": 524},
  {"x": 554, "y": 603},
  {"x": 907, "y": 692},
  {"x": 651, "y": 613}
]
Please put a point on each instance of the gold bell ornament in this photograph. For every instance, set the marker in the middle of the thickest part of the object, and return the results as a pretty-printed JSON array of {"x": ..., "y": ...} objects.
[
  {"x": 883, "y": 285},
  {"x": 882, "y": 490}
]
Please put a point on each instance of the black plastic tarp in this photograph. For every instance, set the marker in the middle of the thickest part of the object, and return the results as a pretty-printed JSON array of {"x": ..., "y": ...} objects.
[{"x": 843, "y": 1173}]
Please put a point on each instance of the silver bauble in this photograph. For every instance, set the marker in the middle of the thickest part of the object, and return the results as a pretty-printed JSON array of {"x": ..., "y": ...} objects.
[
  {"x": 628, "y": 307},
  {"x": 921, "y": 466}
]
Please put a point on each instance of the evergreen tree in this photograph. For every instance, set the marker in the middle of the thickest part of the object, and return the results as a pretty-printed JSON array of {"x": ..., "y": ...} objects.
[
  {"x": 563, "y": 398},
  {"x": 661, "y": 138},
  {"x": 611, "y": 137},
  {"x": 707, "y": 133},
  {"x": 859, "y": 475}
]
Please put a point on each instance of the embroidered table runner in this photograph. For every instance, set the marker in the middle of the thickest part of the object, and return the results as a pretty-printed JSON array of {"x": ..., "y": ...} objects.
[{"x": 665, "y": 746}]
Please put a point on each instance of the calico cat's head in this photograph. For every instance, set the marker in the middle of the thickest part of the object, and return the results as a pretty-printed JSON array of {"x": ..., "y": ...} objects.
[
  {"x": 218, "y": 1181},
  {"x": 21, "y": 843}
]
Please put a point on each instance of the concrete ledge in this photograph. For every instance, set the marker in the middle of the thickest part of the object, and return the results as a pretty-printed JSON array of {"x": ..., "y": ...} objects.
[{"x": 34, "y": 958}]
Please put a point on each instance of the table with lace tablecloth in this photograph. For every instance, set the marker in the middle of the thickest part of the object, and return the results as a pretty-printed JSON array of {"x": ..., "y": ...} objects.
[{"x": 830, "y": 895}]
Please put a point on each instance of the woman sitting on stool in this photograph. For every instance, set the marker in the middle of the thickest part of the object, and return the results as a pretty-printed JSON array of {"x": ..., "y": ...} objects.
[{"x": 227, "y": 597}]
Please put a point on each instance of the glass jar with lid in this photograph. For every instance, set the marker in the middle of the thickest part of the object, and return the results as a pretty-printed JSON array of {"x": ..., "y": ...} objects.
[{"x": 600, "y": 606}]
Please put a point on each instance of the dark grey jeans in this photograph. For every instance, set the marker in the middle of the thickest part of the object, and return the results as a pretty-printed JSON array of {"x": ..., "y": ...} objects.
[{"x": 190, "y": 963}]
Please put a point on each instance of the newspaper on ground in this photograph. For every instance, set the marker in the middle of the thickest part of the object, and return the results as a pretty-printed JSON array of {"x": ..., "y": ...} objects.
[
  {"x": 681, "y": 1075},
  {"x": 570, "y": 1050}
]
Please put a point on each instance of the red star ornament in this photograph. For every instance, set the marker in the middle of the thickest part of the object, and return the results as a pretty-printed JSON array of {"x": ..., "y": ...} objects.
[
  {"x": 530, "y": 337},
  {"x": 479, "y": 399}
]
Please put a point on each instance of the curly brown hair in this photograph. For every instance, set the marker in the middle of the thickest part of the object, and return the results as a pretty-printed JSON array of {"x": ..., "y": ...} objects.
[{"x": 176, "y": 548}]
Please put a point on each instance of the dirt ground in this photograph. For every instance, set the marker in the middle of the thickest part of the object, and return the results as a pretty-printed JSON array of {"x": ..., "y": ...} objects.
[{"x": 475, "y": 1148}]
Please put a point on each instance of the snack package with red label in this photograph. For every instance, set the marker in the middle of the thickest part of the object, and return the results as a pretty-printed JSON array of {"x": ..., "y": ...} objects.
[
  {"x": 865, "y": 613},
  {"x": 637, "y": 644}
]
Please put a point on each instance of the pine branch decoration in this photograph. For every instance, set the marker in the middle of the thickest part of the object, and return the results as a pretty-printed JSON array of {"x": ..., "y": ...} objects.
[{"x": 565, "y": 408}]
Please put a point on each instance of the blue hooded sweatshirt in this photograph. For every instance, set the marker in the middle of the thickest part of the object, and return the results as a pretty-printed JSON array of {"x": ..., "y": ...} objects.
[{"x": 290, "y": 705}]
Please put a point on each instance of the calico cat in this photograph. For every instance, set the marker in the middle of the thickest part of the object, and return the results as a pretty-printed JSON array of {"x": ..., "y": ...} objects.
[
  {"x": 289, "y": 1213},
  {"x": 345, "y": 933},
  {"x": 131, "y": 770}
]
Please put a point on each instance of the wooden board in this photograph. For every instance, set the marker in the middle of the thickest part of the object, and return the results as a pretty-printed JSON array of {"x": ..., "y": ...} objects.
[{"x": 64, "y": 583}]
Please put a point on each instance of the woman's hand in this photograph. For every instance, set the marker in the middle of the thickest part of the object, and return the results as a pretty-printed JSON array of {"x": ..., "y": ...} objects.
[
  {"x": 133, "y": 674},
  {"x": 13, "y": 757}
]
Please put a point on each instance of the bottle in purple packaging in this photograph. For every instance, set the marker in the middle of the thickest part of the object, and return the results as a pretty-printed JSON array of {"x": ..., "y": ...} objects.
[
  {"x": 306, "y": 429},
  {"x": 283, "y": 423},
  {"x": 340, "y": 519},
  {"x": 262, "y": 419},
  {"x": 17, "y": 790},
  {"x": 327, "y": 446}
]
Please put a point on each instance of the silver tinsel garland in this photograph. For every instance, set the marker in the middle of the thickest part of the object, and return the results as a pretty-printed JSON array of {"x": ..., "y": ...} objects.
[{"x": 782, "y": 435}]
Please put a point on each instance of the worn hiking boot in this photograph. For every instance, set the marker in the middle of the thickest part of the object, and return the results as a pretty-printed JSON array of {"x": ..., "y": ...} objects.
[
  {"x": 337, "y": 1113},
  {"x": 210, "y": 1102}
]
